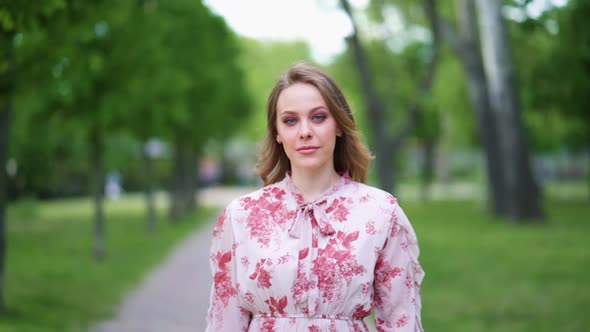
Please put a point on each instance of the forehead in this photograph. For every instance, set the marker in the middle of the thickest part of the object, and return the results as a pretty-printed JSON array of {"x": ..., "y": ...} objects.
[{"x": 300, "y": 97}]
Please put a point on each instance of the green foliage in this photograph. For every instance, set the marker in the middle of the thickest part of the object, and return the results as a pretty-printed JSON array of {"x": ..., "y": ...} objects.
[
  {"x": 52, "y": 281},
  {"x": 343, "y": 71},
  {"x": 398, "y": 46},
  {"x": 207, "y": 96},
  {"x": 450, "y": 98},
  {"x": 24, "y": 14},
  {"x": 396, "y": 76},
  {"x": 553, "y": 56},
  {"x": 104, "y": 69},
  {"x": 397, "y": 51},
  {"x": 551, "y": 61}
]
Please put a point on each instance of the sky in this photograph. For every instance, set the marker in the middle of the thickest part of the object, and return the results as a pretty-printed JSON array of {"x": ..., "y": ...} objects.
[{"x": 319, "y": 22}]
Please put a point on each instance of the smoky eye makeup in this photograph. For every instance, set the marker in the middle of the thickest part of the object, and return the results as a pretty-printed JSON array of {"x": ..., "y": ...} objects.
[
  {"x": 319, "y": 117},
  {"x": 316, "y": 115},
  {"x": 289, "y": 121}
]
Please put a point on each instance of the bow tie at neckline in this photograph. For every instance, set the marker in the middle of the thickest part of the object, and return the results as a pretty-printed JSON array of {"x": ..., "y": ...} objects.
[
  {"x": 315, "y": 211},
  {"x": 307, "y": 213}
]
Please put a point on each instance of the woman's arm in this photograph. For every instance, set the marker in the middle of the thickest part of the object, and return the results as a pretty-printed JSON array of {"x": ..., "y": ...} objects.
[
  {"x": 224, "y": 312},
  {"x": 398, "y": 277}
]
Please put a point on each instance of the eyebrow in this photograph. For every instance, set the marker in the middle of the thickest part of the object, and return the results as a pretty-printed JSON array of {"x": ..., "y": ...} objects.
[{"x": 310, "y": 111}]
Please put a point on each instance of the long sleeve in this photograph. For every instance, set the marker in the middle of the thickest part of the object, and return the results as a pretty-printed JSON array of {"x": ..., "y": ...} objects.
[
  {"x": 398, "y": 276},
  {"x": 224, "y": 314}
]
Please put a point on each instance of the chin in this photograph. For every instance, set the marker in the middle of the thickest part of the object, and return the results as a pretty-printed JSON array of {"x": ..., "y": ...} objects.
[{"x": 310, "y": 166}]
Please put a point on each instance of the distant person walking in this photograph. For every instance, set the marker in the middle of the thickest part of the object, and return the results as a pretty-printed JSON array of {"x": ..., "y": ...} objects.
[{"x": 113, "y": 185}]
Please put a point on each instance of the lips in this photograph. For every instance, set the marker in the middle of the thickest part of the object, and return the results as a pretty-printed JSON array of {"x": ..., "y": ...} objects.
[{"x": 307, "y": 149}]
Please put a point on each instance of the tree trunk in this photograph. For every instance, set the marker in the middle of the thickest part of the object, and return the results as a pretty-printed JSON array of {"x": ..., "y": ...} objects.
[
  {"x": 374, "y": 105},
  {"x": 190, "y": 182},
  {"x": 96, "y": 146},
  {"x": 176, "y": 210},
  {"x": 182, "y": 191},
  {"x": 466, "y": 46},
  {"x": 385, "y": 169},
  {"x": 477, "y": 89},
  {"x": 588, "y": 170},
  {"x": 148, "y": 168},
  {"x": 387, "y": 146},
  {"x": 7, "y": 80},
  {"x": 427, "y": 173},
  {"x": 521, "y": 188}
]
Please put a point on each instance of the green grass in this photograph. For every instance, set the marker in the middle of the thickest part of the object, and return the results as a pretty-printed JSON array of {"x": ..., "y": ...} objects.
[
  {"x": 491, "y": 275},
  {"x": 53, "y": 283}
]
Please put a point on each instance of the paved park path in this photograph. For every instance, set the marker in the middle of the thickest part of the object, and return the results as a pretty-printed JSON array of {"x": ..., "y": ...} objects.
[{"x": 174, "y": 297}]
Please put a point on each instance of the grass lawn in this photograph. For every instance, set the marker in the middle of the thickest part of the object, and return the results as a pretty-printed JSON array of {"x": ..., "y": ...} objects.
[
  {"x": 487, "y": 275},
  {"x": 52, "y": 281}
]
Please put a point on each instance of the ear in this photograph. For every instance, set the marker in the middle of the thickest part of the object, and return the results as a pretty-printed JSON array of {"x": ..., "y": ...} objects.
[
  {"x": 338, "y": 133},
  {"x": 278, "y": 140}
]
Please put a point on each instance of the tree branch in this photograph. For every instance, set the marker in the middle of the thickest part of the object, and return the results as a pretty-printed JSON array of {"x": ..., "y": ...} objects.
[
  {"x": 449, "y": 35},
  {"x": 425, "y": 85},
  {"x": 374, "y": 103}
]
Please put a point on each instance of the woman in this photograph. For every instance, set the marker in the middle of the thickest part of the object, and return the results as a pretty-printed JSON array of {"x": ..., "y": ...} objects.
[{"x": 315, "y": 249}]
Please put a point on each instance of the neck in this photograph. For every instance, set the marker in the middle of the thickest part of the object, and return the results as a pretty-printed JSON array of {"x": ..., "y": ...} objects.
[{"x": 313, "y": 184}]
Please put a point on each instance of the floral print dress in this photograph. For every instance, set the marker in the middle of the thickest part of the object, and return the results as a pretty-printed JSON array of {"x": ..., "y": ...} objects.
[{"x": 281, "y": 264}]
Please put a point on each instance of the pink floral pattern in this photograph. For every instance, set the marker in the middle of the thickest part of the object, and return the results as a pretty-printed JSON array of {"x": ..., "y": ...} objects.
[{"x": 281, "y": 264}]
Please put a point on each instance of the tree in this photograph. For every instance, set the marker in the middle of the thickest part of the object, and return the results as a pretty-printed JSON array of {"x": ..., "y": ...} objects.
[
  {"x": 208, "y": 98},
  {"x": 385, "y": 145},
  {"x": 94, "y": 42},
  {"x": 554, "y": 61},
  {"x": 150, "y": 91},
  {"x": 573, "y": 95},
  {"x": 7, "y": 88},
  {"x": 15, "y": 18},
  {"x": 465, "y": 44},
  {"x": 522, "y": 192}
]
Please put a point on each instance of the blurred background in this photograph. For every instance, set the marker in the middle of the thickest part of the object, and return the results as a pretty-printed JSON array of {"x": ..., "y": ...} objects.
[{"x": 126, "y": 126}]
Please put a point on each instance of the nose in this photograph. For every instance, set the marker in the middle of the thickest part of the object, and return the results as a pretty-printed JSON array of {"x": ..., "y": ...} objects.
[{"x": 304, "y": 129}]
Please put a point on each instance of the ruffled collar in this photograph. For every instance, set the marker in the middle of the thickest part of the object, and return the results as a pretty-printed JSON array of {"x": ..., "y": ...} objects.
[
  {"x": 296, "y": 193},
  {"x": 315, "y": 209}
]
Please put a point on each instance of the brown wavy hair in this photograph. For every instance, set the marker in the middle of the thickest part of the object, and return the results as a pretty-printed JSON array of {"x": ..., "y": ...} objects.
[{"x": 350, "y": 153}]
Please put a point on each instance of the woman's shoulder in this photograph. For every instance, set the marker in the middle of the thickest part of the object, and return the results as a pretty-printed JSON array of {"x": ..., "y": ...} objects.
[
  {"x": 375, "y": 194},
  {"x": 272, "y": 190}
]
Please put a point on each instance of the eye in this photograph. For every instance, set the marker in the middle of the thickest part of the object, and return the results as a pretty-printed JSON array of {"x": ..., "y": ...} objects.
[
  {"x": 289, "y": 121},
  {"x": 319, "y": 117}
]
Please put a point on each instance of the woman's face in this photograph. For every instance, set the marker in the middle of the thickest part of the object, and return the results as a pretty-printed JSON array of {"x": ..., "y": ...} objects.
[{"x": 306, "y": 128}]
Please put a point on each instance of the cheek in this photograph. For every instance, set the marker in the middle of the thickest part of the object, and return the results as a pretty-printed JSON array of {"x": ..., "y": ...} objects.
[
  {"x": 280, "y": 137},
  {"x": 335, "y": 131},
  {"x": 280, "y": 134}
]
